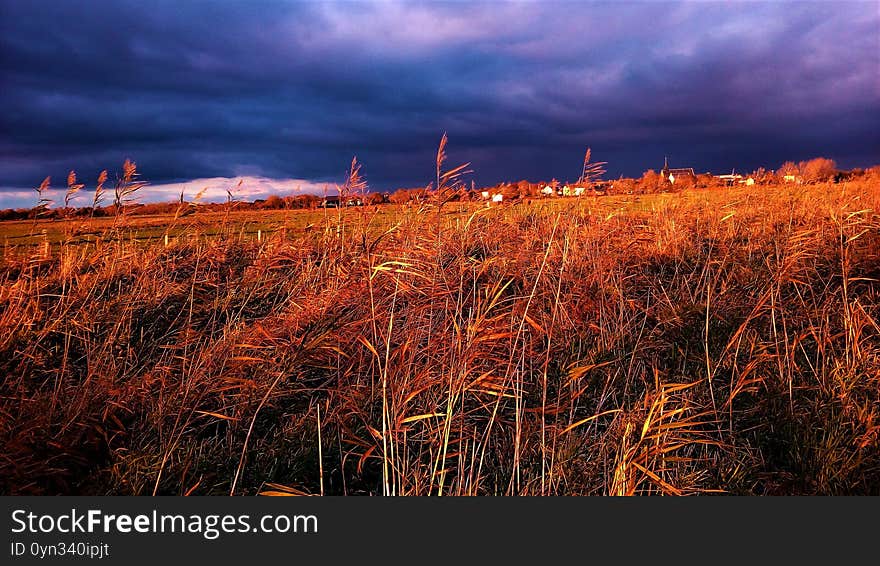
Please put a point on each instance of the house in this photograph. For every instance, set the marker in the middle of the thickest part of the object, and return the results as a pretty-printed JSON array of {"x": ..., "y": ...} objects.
[
  {"x": 334, "y": 202},
  {"x": 681, "y": 173},
  {"x": 567, "y": 191},
  {"x": 735, "y": 178},
  {"x": 730, "y": 179},
  {"x": 547, "y": 191}
]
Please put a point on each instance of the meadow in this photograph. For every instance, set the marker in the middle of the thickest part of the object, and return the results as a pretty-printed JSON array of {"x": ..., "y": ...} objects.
[{"x": 718, "y": 341}]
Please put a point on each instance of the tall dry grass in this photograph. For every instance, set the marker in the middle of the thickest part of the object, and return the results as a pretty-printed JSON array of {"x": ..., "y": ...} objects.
[{"x": 699, "y": 343}]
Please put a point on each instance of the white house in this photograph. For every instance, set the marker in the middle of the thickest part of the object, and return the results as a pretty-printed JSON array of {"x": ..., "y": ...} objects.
[{"x": 730, "y": 178}]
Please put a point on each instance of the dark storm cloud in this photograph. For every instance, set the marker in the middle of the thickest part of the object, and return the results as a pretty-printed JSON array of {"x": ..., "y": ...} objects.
[{"x": 293, "y": 90}]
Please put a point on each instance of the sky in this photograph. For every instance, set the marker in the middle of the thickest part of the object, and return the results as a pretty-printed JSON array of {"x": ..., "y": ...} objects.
[{"x": 284, "y": 94}]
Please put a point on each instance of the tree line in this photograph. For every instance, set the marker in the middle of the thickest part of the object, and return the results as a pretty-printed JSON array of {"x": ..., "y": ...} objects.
[{"x": 817, "y": 170}]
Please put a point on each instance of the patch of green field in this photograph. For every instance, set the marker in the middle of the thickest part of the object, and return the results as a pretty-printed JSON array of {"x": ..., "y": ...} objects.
[{"x": 251, "y": 223}]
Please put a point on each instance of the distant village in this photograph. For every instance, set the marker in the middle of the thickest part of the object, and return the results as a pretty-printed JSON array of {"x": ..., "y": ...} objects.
[
  {"x": 668, "y": 179},
  {"x": 589, "y": 184}
]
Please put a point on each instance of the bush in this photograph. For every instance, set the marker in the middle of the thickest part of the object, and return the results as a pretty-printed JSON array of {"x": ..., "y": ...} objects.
[
  {"x": 818, "y": 170},
  {"x": 400, "y": 196},
  {"x": 651, "y": 182}
]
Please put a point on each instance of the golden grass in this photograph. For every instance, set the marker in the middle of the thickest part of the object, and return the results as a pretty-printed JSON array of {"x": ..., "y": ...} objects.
[{"x": 706, "y": 342}]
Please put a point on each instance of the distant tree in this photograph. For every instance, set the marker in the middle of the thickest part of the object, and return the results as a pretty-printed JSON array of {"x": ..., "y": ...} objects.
[
  {"x": 10, "y": 214},
  {"x": 818, "y": 170},
  {"x": 787, "y": 168},
  {"x": 373, "y": 199},
  {"x": 705, "y": 180},
  {"x": 683, "y": 182},
  {"x": 155, "y": 208},
  {"x": 623, "y": 186},
  {"x": 309, "y": 201},
  {"x": 650, "y": 182},
  {"x": 273, "y": 202},
  {"x": 527, "y": 189},
  {"x": 510, "y": 191},
  {"x": 400, "y": 196}
]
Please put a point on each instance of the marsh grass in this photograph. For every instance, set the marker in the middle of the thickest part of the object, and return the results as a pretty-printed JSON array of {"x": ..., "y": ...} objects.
[{"x": 707, "y": 342}]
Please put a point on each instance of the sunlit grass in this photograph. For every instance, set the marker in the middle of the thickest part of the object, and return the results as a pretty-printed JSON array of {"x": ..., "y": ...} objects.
[{"x": 699, "y": 342}]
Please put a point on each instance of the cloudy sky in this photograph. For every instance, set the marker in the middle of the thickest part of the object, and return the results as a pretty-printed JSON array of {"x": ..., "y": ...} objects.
[{"x": 285, "y": 93}]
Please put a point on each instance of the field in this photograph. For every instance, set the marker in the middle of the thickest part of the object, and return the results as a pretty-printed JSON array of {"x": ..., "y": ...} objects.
[{"x": 721, "y": 341}]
